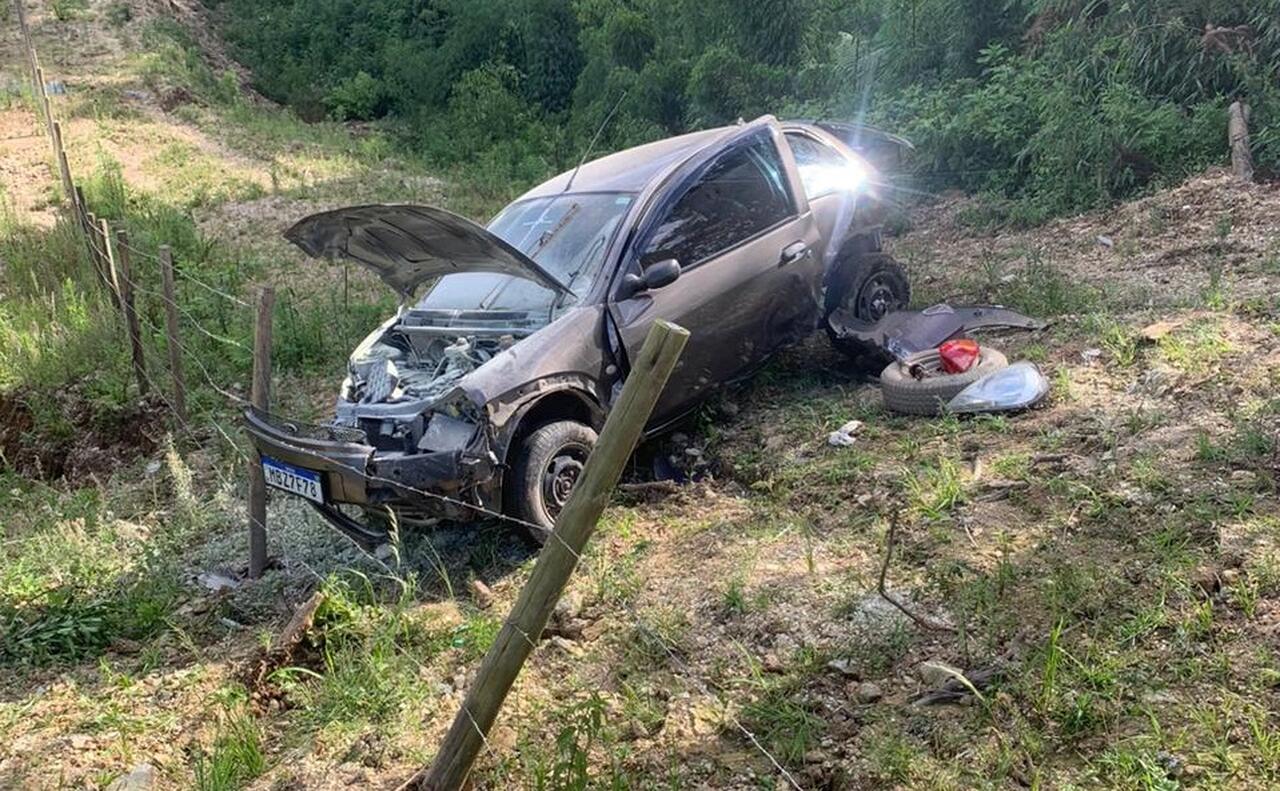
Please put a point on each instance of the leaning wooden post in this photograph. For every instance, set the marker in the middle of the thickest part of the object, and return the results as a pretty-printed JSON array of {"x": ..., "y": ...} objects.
[
  {"x": 26, "y": 38},
  {"x": 42, "y": 96},
  {"x": 109, "y": 261},
  {"x": 260, "y": 397},
  {"x": 60, "y": 157},
  {"x": 131, "y": 312},
  {"x": 1238, "y": 134},
  {"x": 556, "y": 563},
  {"x": 171, "y": 329}
]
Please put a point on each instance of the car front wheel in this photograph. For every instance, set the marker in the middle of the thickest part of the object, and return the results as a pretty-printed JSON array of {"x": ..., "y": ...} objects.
[
  {"x": 866, "y": 288},
  {"x": 548, "y": 465}
]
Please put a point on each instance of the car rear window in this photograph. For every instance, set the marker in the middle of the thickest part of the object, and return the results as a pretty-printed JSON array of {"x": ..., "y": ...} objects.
[{"x": 741, "y": 194}]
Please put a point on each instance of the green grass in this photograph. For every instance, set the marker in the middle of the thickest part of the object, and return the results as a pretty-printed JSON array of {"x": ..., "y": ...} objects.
[
  {"x": 235, "y": 758},
  {"x": 74, "y": 577}
]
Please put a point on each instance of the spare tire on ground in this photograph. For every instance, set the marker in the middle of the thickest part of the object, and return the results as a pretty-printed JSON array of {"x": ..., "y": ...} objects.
[{"x": 928, "y": 396}]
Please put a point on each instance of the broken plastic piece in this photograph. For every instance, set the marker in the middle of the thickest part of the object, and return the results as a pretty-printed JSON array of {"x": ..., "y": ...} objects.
[
  {"x": 1019, "y": 386},
  {"x": 958, "y": 356},
  {"x": 843, "y": 437},
  {"x": 905, "y": 332}
]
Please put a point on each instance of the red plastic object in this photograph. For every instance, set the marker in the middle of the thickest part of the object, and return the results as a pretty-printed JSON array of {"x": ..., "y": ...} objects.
[{"x": 958, "y": 356}]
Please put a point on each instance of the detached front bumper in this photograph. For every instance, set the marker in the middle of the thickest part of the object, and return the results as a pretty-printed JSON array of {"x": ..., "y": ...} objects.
[{"x": 353, "y": 472}]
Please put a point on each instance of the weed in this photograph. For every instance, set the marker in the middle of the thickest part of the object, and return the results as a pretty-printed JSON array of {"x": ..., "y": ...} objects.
[
  {"x": 235, "y": 759},
  {"x": 64, "y": 10},
  {"x": 1119, "y": 341},
  {"x": 1062, "y": 390},
  {"x": 734, "y": 598},
  {"x": 119, "y": 14},
  {"x": 781, "y": 718},
  {"x": 935, "y": 490},
  {"x": 1044, "y": 290},
  {"x": 1195, "y": 347}
]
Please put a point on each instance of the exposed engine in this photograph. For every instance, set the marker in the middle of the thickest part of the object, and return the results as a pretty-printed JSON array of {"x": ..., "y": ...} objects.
[
  {"x": 420, "y": 356},
  {"x": 391, "y": 371}
]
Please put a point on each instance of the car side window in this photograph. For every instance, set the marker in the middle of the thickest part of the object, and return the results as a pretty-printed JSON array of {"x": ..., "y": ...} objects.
[
  {"x": 821, "y": 166},
  {"x": 741, "y": 194}
]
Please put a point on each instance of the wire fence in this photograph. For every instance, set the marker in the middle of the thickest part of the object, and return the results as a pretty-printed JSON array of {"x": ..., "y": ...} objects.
[{"x": 115, "y": 264}]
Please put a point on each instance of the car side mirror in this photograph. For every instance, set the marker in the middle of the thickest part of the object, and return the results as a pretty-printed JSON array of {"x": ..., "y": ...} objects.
[{"x": 657, "y": 275}]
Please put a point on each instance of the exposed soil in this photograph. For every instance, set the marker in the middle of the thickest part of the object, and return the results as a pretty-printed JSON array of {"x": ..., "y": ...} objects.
[{"x": 93, "y": 444}]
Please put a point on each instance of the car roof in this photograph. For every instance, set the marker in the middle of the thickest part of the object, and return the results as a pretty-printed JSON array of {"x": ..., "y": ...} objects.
[{"x": 632, "y": 169}]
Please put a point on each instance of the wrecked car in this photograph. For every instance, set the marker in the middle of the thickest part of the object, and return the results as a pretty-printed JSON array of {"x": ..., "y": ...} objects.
[{"x": 485, "y": 393}]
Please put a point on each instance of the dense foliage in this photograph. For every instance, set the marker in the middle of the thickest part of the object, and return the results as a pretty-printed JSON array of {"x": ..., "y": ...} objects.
[{"x": 1048, "y": 105}]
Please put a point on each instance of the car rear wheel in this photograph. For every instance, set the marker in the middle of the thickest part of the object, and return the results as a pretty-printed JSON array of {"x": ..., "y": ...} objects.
[
  {"x": 550, "y": 461},
  {"x": 866, "y": 288}
]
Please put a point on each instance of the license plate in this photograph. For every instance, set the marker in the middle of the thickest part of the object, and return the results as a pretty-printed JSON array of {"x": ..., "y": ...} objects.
[{"x": 296, "y": 480}]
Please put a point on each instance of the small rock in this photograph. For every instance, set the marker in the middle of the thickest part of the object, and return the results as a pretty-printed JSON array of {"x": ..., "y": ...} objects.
[
  {"x": 935, "y": 673},
  {"x": 1244, "y": 477},
  {"x": 568, "y": 646},
  {"x": 1091, "y": 355},
  {"x": 1172, "y": 764},
  {"x": 482, "y": 594},
  {"x": 816, "y": 757},
  {"x": 80, "y": 741},
  {"x": 1106, "y": 241},
  {"x": 1207, "y": 579},
  {"x": 868, "y": 692},
  {"x": 152, "y": 468},
  {"x": 140, "y": 778},
  {"x": 1156, "y": 381},
  {"x": 844, "y": 667},
  {"x": 217, "y": 582},
  {"x": 1154, "y": 332},
  {"x": 1230, "y": 576},
  {"x": 569, "y": 607}
]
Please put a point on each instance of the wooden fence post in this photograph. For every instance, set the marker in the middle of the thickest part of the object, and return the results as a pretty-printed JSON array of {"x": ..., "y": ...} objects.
[
  {"x": 113, "y": 280},
  {"x": 1238, "y": 134},
  {"x": 171, "y": 329},
  {"x": 26, "y": 39},
  {"x": 555, "y": 564},
  {"x": 261, "y": 399},
  {"x": 60, "y": 157},
  {"x": 130, "y": 312},
  {"x": 46, "y": 111}
]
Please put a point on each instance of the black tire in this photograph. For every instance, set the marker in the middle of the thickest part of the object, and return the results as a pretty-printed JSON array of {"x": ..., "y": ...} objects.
[
  {"x": 547, "y": 465},
  {"x": 864, "y": 288},
  {"x": 904, "y": 393}
]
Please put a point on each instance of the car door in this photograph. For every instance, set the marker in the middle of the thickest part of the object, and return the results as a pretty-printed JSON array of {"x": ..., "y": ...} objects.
[{"x": 737, "y": 221}]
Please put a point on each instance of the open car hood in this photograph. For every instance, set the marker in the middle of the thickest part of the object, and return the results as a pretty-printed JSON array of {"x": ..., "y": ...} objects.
[{"x": 408, "y": 245}]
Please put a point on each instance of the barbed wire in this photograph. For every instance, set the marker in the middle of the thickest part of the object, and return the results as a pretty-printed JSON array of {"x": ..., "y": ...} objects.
[
  {"x": 181, "y": 272},
  {"x": 139, "y": 288}
]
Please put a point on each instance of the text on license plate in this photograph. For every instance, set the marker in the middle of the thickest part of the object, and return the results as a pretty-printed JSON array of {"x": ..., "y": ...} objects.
[{"x": 304, "y": 483}]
